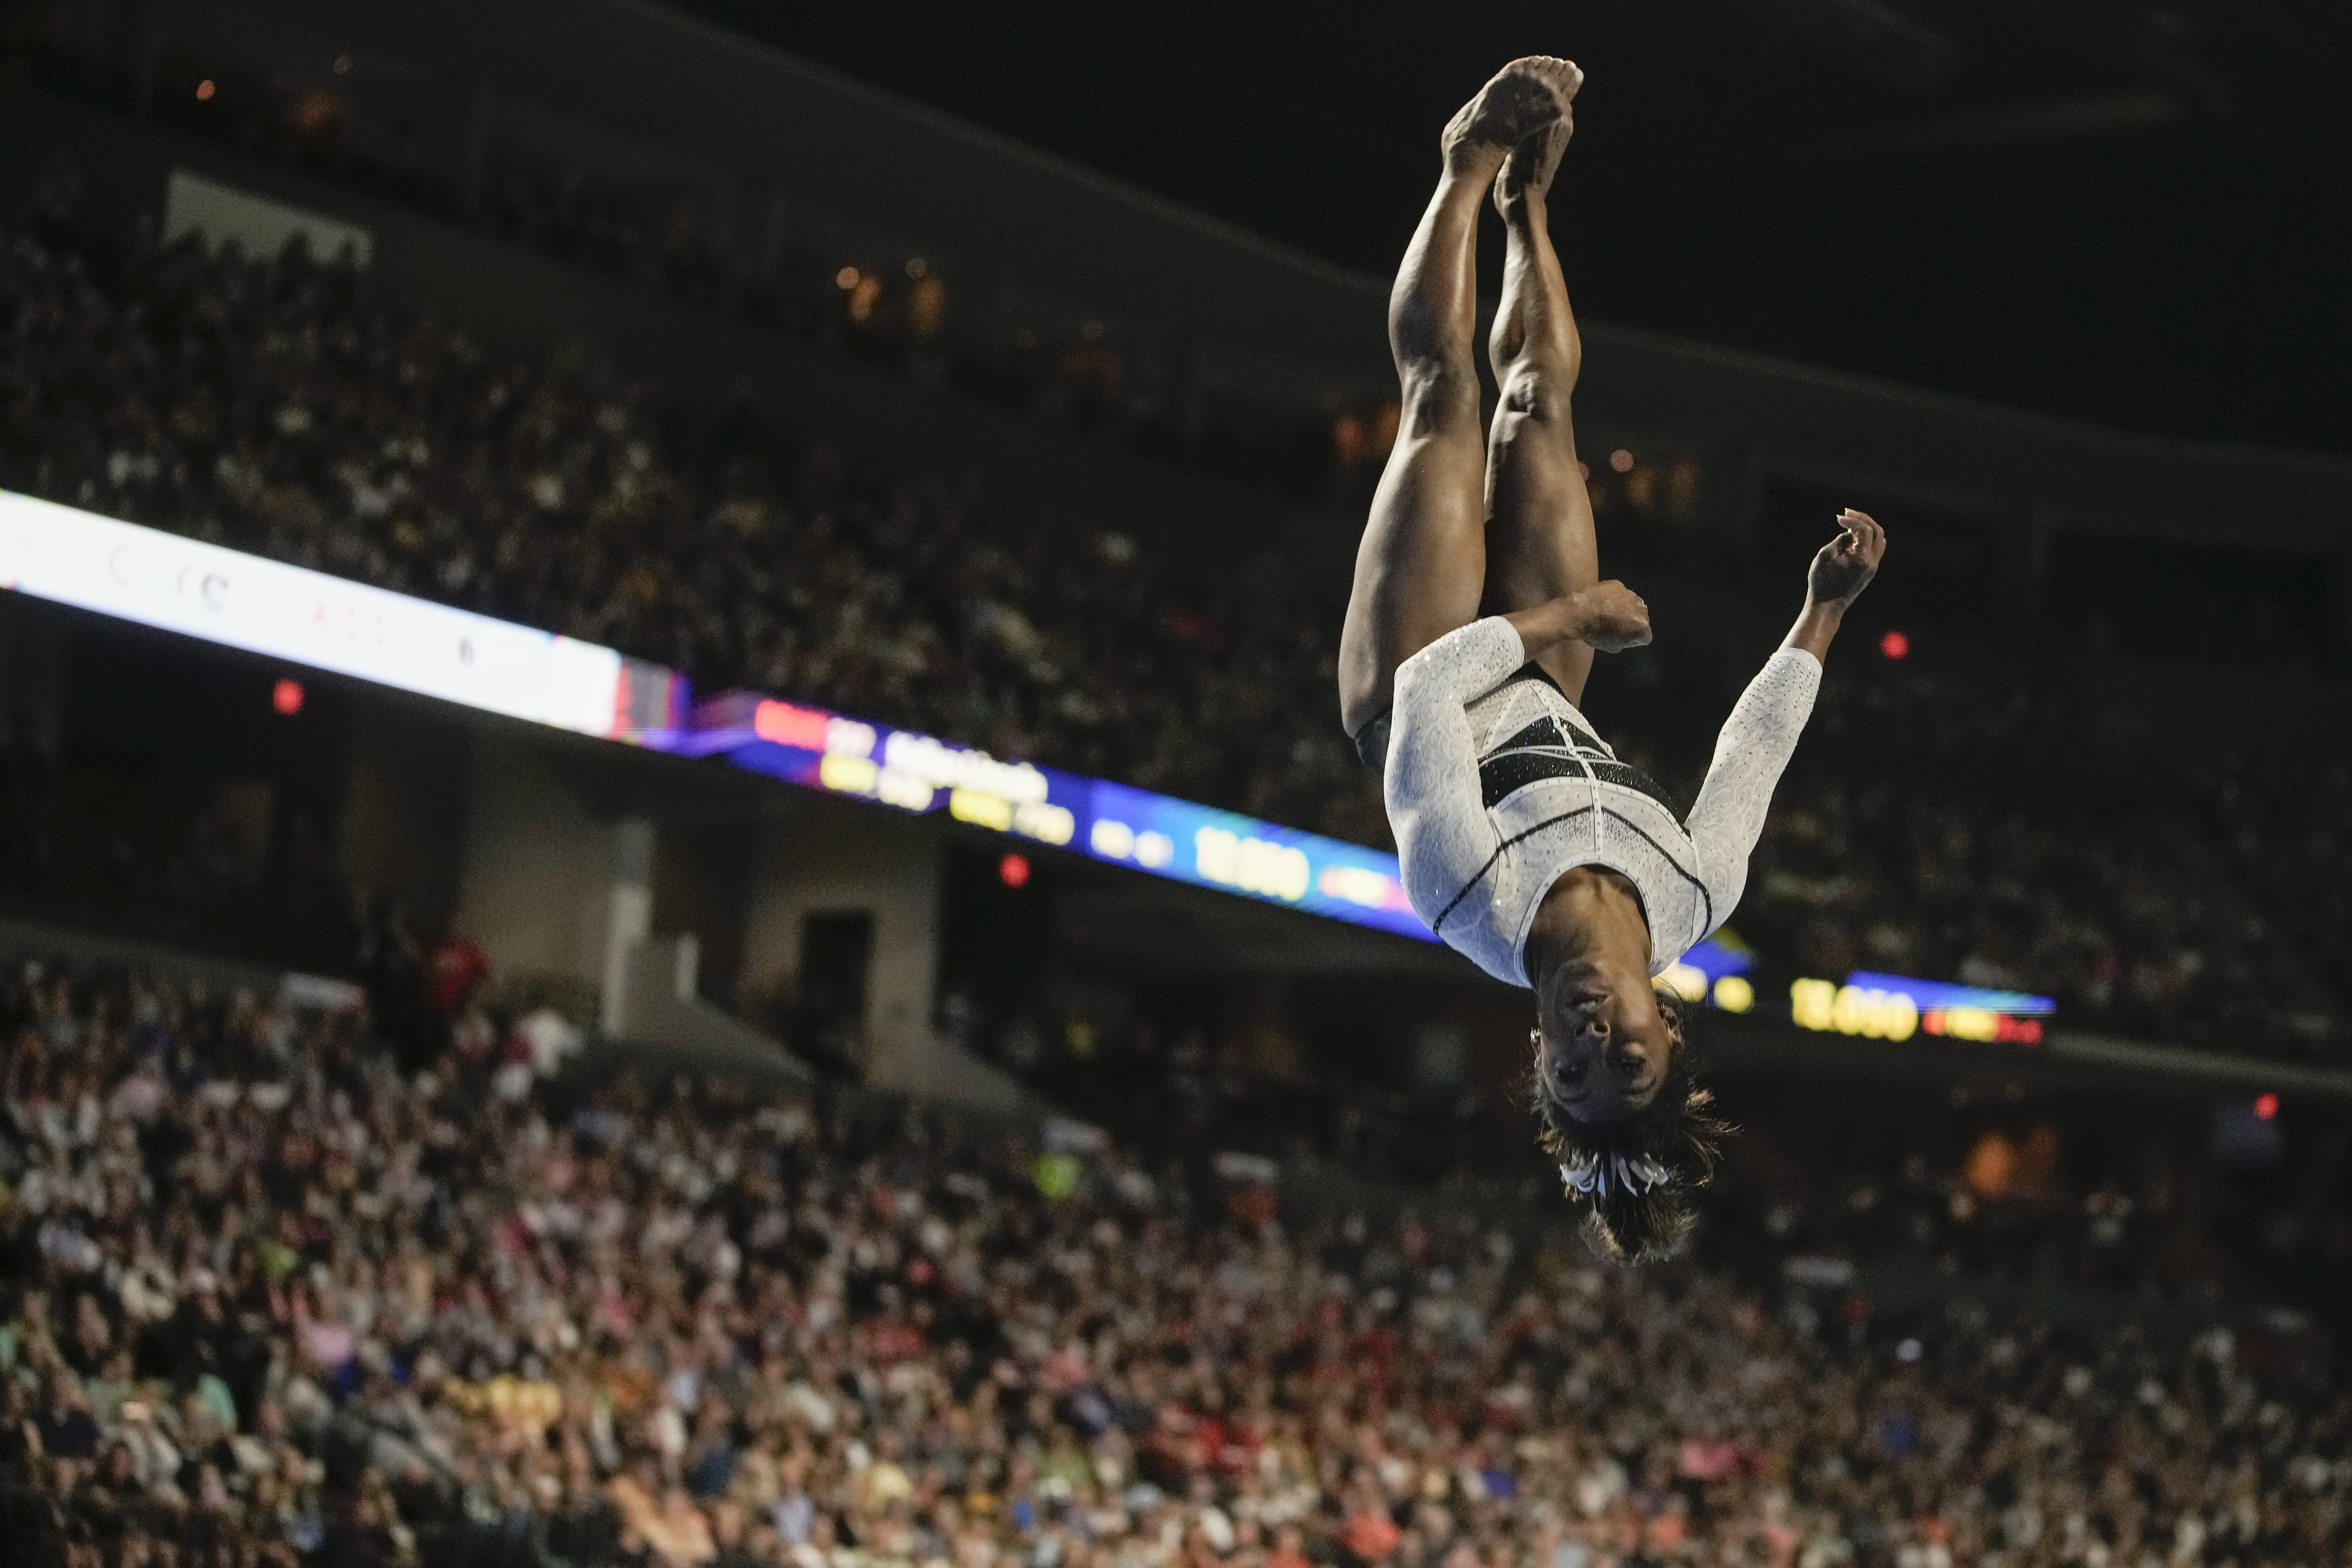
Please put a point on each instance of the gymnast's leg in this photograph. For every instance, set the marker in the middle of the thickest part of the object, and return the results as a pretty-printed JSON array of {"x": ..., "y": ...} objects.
[
  {"x": 1421, "y": 565},
  {"x": 1539, "y": 543}
]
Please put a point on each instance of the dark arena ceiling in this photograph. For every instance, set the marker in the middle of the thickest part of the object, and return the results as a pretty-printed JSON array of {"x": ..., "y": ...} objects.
[{"x": 2125, "y": 213}]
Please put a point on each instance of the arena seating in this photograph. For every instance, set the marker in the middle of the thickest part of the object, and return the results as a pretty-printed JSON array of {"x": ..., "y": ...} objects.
[{"x": 269, "y": 1299}]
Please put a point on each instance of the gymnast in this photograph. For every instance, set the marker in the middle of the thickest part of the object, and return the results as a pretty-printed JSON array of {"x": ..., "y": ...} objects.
[{"x": 1476, "y": 609}]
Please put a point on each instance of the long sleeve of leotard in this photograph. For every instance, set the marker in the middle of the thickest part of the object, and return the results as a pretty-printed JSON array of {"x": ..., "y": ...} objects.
[
  {"x": 1755, "y": 746},
  {"x": 1444, "y": 837}
]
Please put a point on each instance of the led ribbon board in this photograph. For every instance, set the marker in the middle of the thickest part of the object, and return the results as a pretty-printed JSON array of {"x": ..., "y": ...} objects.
[
  {"x": 240, "y": 600},
  {"x": 1895, "y": 1007},
  {"x": 235, "y": 600},
  {"x": 1109, "y": 822}
]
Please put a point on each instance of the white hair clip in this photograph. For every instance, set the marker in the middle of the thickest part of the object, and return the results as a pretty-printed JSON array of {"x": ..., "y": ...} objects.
[{"x": 1589, "y": 1175}]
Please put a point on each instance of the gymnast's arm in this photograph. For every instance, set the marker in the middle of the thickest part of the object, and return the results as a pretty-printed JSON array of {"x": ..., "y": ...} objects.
[
  {"x": 1609, "y": 616},
  {"x": 1430, "y": 787},
  {"x": 1762, "y": 733}
]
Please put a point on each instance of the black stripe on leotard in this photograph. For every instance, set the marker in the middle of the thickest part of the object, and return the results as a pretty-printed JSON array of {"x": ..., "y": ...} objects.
[{"x": 1506, "y": 772}]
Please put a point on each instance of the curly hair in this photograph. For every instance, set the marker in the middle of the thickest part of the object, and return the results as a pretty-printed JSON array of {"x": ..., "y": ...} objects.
[{"x": 1635, "y": 1177}]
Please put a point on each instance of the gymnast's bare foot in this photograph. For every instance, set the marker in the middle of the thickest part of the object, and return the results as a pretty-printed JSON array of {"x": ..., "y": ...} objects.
[
  {"x": 1526, "y": 173},
  {"x": 1525, "y": 97}
]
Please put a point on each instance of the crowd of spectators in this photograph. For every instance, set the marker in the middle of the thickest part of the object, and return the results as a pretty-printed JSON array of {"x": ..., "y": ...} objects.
[
  {"x": 699, "y": 240},
  {"x": 1942, "y": 824},
  {"x": 2132, "y": 1191},
  {"x": 1976, "y": 827},
  {"x": 278, "y": 409},
  {"x": 794, "y": 272},
  {"x": 272, "y": 1300}
]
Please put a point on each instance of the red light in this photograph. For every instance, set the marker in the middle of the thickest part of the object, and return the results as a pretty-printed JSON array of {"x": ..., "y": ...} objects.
[
  {"x": 287, "y": 697},
  {"x": 1013, "y": 870},
  {"x": 2266, "y": 1106},
  {"x": 786, "y": 725},
  {"x": 1895, "y": 645},
  {"x": 205, "y": 89}
]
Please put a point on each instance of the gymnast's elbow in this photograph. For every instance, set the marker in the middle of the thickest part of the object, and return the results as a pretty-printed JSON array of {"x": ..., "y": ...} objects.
[{"x": 1725, "y": 885}]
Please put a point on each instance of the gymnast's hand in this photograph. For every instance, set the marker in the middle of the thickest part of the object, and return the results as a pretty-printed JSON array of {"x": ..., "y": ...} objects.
[
  {"x": 1847, "y": 564},
  {"x": 1609, "y": 616}
]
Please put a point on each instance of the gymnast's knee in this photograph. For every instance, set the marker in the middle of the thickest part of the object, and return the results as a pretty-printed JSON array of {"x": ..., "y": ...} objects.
[
  {"x": 1436, "y": 394},
  {"x": 1538, "y": 387}
]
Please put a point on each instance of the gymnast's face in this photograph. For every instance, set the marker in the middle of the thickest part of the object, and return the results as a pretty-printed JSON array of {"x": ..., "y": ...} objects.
[{"x": 1602, "y": 1044}]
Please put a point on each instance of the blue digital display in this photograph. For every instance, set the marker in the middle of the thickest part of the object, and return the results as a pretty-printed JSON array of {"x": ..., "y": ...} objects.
[
  {"x": 1113, "y": 823},
  {"x": 1240, "y": 854},
  {"x": 1940, "y": 996},
  {"x": 1720, "y": 956},
  {"x": 1895, "y": 1007},
  {"x": 1713, "y": 972}
]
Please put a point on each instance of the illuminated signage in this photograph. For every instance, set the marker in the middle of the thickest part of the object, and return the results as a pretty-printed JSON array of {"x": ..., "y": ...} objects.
[
  {"x": 1105, "y": 821},
  {"x": 1895, "y": 1007},
  {"x": 240, "y": 600},
  {"x": 228, "y": 597},
  {"x": 1714, "y": 972},
  {"x": 268, "y": 607}
]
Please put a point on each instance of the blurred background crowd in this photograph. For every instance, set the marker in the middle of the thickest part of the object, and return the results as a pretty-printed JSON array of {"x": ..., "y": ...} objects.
[{"x": 272, "y": 1299}]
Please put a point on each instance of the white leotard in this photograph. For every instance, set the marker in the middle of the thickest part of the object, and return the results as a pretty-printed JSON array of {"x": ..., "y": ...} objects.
[{"x": 1497, "y": 786}]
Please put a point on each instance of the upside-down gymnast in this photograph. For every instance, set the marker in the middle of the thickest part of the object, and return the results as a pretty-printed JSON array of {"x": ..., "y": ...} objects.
[{"x": 1476, "y": 609}]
